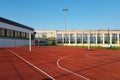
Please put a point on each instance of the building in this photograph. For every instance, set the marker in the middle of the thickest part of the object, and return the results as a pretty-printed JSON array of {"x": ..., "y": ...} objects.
[
  {"x": 14, "y": 34},
  {"x": 45, "y": 34},
  {"x": 83, "y": 37},
  {"x": 45, "y": 37}
]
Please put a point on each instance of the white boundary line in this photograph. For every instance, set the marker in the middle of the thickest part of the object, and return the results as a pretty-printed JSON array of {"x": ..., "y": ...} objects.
[
  {"x": 69, "y": 70},
  {"x": 31, "y": 64}
]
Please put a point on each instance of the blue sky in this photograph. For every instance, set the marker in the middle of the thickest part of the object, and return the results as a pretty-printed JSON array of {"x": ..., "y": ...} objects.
[{"x": 48, "y": 14}]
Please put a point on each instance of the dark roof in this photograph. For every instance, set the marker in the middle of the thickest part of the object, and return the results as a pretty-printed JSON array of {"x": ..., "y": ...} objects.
[{"x": 15, "y": 23}]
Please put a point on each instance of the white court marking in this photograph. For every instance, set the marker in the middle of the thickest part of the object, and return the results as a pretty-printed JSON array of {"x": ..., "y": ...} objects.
[
  {"x": 31, "y": 64},
  {"x": 69, "y": 70}
]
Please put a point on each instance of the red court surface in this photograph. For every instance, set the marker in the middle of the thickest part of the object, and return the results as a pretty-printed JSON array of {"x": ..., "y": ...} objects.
[{"x": 59, "y": 63}]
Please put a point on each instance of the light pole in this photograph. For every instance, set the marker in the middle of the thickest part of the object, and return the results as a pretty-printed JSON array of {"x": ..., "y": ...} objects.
[{"x": 65, "y": 11}]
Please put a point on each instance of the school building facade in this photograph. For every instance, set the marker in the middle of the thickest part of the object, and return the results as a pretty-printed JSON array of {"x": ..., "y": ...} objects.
[{"x": 82, "y": 37}]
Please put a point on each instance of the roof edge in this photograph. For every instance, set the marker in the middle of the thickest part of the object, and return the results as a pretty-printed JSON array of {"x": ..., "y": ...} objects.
[{"x": 15, "y": 23}]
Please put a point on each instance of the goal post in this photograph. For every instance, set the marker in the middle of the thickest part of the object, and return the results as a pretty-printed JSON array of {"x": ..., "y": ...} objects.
[
  {"x": 89, "y": 40},
  {"x": 30, "y": 42}
]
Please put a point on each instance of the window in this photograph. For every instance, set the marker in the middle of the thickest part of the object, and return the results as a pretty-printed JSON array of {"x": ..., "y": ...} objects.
[
  {"x": 114, "y": 38},
  {"x": 79, "y": 38},
  {"x": 107, "y": 38},
  {"x": 17, "y": 34},
  {"x": 85, "y": 38},
  {"x": 27, "y": 35},
  {"x": 59, "y": 38},
  {"x": 100, "y": 39},
  {"x": 2, "y": 32},
  {"x": 66, "y": 38},
  {"x": 22, "y": 35},
  {"x": 119, "y": 38},
  {"x": 72, "y": 38},
  {"x": 9, "y": 33},
  {"x": 92, "y": 38},
  {"x": 32, "y": 36}
]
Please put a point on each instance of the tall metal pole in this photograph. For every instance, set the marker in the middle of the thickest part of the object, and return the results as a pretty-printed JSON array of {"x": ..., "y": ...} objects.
[{"x": 65, "y": 10}]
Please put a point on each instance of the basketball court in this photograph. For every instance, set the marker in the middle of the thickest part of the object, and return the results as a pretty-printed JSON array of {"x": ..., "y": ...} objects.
[{"x": 59, "y": 63}]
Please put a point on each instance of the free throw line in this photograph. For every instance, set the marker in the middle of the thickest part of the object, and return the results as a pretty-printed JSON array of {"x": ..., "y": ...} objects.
[{"x": 69, "y": 70}]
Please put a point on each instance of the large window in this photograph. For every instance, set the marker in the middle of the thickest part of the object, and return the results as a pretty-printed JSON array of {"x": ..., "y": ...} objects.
[
  {"x": 114, "y": 38},
  {"x": 119, "y": 38},
  {"x": 92, "y": 38},
  {"x": 27, "y": 35},
  {"x": 32, "y": 36},
  {"x": 85, "y": 38},
  {"x": 100, "y": 39},
  {"x": 107, "y": 38},
  {"x": 22, "y": 35},
  {"x": 72, "y": 38},
  {"x": 79, "y": 38},
  {"x": 59, "y": 38},
  {"x": 17, "y": 34},
  {"x": 66, "y": 38},
  {"x": 9, "y": 33},
  {"x": 2, "y": 32}
]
